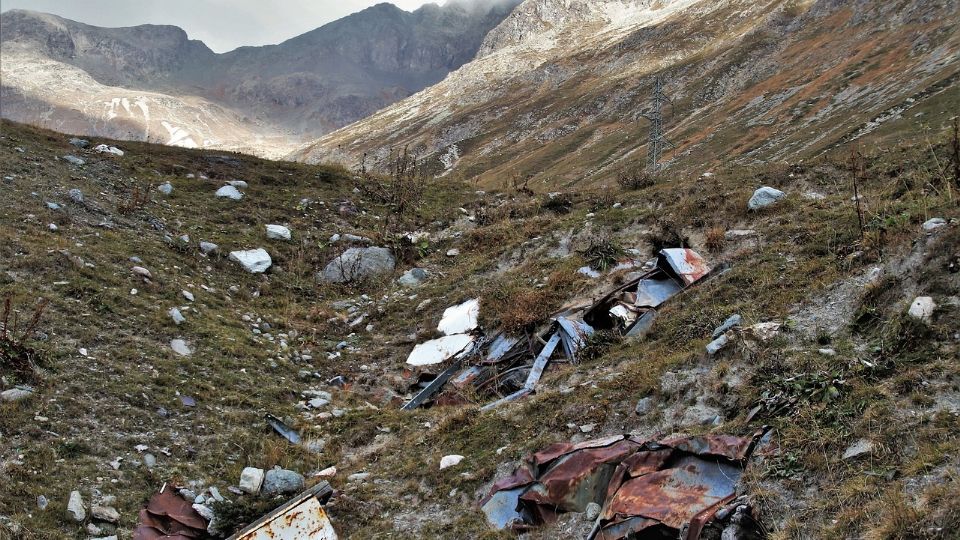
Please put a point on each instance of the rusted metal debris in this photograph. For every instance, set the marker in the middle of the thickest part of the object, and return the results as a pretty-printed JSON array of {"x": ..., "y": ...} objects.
[
  {"x": 301, "y": 517},
  {"x": 647, "y": 489},
  {"x": 283, "y": 429},
  {"x": 169, "y": 516},
  {"x": 510, "y": 367}
]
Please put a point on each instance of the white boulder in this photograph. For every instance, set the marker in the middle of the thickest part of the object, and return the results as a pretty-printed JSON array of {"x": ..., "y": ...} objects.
[
  {"x": 251, "y": 478},
  {"x": 450, "y": 461},
  {"x": 922, "y": 308},
  {"x": 278, "y": 232},
  {"x": 229, "y": 192},
  {"x": 255, "y": 261},
  {"x": 764, "y": 197}
]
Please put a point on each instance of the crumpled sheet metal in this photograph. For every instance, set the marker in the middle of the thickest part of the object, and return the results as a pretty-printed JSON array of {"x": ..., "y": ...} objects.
[
  {"x": 686, "y": 263},
  {"x": 574, "y": 334},
  {"x": 439, "y": 350},
  {"x": 169, "y": 516},
  {"x": 299, "y": 518},
  {"x": 653, "y": 292},
  {"x": 643, "y": 486},
  {"x": 460, "y": 319}
]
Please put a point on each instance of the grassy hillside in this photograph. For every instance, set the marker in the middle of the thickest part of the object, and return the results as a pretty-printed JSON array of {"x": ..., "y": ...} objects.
[{"x": 809, "y": 264}]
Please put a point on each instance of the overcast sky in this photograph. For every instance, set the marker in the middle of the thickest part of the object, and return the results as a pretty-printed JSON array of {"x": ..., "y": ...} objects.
[{"x": 222, "y": 24}]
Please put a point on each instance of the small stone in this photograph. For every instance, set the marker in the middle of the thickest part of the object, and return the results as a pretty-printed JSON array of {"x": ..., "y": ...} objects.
[
  {"x": 453, "y": 252},
  {"x": 52, "y": 227},
  {"x": 142, "y": 272},
  {"x": 765, "y": 331},
  {"x": 358, "y": 477},
  {"x": 315, "y": 446},
  {"x": 74, "y": 160},
  {"x": 105, "y": 513},
  {"x": 180, "y": 347},
  {"x": 592, "y": 512},
  {"x": 859, "y": 448},
  {"x": 239, "y": 184},
  {"x": 317, "y": 403},
  {"x": 166, "y": 188},
  {"x": 94, "y": 530},
  {"x": 827, "y": 352},
  {"x": 733, "y": 320},
  {"x": 717, "y": 345},
  {"x": 764, "y": 197},
  {"x": 329, "y": 472},
  {"x": 934, "y": 224},
  {"x": 53, "y": 206},
  {"x": 76, "y": 195},
  {"x": 75, "y": 508},
  {"x": 358, "y": 263},
  {"x": 150, "y": 460},
  {"x": 922, "y": 308},
  {"x": 208, "y": 247},
  {"x": 42, "y": 502},
  {"x": 215, "y": 493},
  {"x": 450, "y": 461},
  {"x": 282, "y": 481},
  {"x": 185, "y": 238},
  {"x": 278, "y": 232},
  {"x": 229, "y": 192},
  {"x": 413, "y": 277},
  {"x": 205, "y": 511},
  {"x": 587, "y": 428},
  {"x": 187, "y": 294},
  {"x": 644, "y": 406},
  {"x": 79, "y": 143},
  {"x": 177, "y": 317}
]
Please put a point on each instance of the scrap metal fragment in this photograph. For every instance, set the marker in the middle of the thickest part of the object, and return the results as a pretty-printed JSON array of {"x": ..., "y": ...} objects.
[
  {"x": 301, "y": 517},
  {"x": 282, "y": 429},
  {"x": 432, "y": 388},
  {"x": 686, "y": 263},
  {"x": 439, "y": 350},
  {"x": 171, "y": 517},
  {"x": 461, "y": 318}
]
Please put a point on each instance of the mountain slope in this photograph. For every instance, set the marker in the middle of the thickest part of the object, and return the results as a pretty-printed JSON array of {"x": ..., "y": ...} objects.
[
  {"x": 558, "y": 88},
  {"x": 256, "y": 99}
]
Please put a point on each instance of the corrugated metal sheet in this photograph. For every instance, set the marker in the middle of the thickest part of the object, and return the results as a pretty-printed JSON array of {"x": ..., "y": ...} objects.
[{"x": 653, "y": 292}]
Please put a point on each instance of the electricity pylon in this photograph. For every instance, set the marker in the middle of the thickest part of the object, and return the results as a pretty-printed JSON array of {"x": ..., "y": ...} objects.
[{"x": 655, "y": 116}]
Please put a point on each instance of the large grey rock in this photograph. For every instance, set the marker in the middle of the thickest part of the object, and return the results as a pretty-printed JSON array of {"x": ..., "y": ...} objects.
[
  {"x": 166, "y": 188},
  {"x": 79, "y": 143},
  {"x": 105, "y": 513},
  {"x": 255, "y": 261},
  {"x": 229, "y": 192},
  {"x": 177, "y": 317},
  {"x": 208, "y": 247},
  {"x": 251, "y": 478},
  {"x": 74, "y": 160},
  {"x": 282, "y": 481},
  {"x": 16, "y": 394},
  {"x": 76, "y": 195},
  {"x": 359, "y": 263},
  {"x": 75, "y": 509},
  {"x": 764, "y": 197},
  {"x": 278, "y": 232}
]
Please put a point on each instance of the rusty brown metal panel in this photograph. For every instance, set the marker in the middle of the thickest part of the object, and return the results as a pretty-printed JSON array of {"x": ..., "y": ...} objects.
[
  {"x": 686, "y": 263},
  {"x": 169, "y": 516}
]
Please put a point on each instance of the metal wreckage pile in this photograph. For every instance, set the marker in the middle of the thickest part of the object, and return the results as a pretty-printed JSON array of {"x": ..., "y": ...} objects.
[
  {"x": 681, "y": 487},
  {"x": 509, "y": 367},
  {"x": 671, "y": 488}
]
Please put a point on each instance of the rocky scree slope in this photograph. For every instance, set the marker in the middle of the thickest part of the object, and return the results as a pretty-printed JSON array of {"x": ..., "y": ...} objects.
[
  {"x": 862, "y": 397},
  {"x": 153, "y": 83},
  {"x": 558, "y": 90}
]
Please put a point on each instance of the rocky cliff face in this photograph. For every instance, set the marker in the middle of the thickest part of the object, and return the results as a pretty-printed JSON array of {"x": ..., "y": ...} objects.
[
  {"x": 275, "y": 95},
  {"x": 558, "y": 90}
]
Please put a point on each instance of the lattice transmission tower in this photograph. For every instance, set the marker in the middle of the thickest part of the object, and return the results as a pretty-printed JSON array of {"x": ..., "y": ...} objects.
[{"x": 657, "y": 140}]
